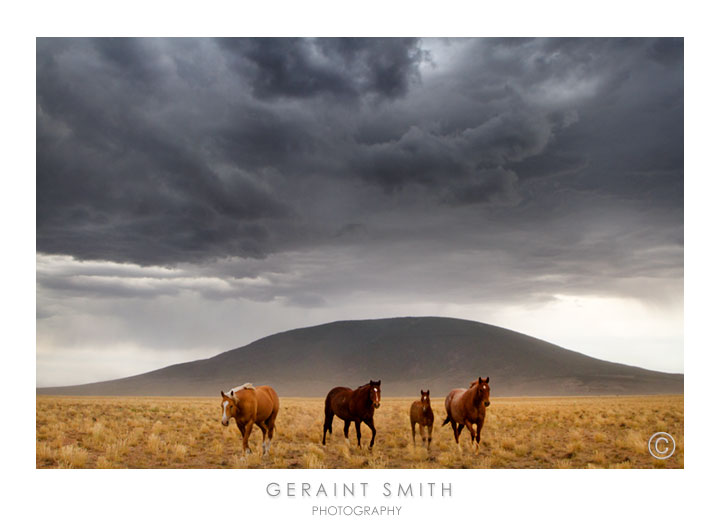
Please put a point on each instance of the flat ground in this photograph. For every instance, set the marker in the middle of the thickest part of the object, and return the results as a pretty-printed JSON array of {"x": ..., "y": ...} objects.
[{"x": 174, "y": 432}]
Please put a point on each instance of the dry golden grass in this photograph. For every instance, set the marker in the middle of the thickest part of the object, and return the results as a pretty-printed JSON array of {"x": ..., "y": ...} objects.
[{"x": 568, "y": 432}]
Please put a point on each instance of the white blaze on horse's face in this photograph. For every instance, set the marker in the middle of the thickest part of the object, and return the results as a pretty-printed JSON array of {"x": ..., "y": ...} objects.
[
  {"x": 486, "y": 392},
  {"x": 376, "y": 396},
  {"x": 426, "y": 400},
  {"x": 226, "y": 415}
]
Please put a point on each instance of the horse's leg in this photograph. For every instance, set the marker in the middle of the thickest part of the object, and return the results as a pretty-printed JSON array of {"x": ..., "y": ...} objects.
[
  {"x": 328, "y": 425},
  {"x": 469, "y": 426},
  {"x": 270, "y": 422},
  {"x": 246, "y": 435},
  {"x": 479, "y": 425},
  {"x": 477, "y": 436},
  {"x": 357, "y": 431},
  {"x": 413, "y": 431},
  {"x": 370, "y": 424},
  {"x": 456, "y": 431},
  {"x": 430, "y": 434},
  {"x": 241, "y": 428},
  {"x": 271, "y": 428},
  {"x": 264, "y": 430},
  {"x": 346, "y": 427}
]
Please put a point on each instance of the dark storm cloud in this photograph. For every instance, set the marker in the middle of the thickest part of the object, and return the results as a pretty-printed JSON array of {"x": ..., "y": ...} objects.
[
  {"x": 163, "y": 152},
  {"x": 118, "y": 181},
  {"x": 345, "y": 68}
]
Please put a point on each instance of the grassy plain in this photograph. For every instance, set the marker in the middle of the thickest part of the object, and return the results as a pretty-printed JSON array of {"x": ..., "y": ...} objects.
[{"x": 174, "y": 432}]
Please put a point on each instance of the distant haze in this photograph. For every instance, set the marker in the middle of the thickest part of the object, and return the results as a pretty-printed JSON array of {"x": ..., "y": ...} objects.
[{"x": 195, "y": 195}]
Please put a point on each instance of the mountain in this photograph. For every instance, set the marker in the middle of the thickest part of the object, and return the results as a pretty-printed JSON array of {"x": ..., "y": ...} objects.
[{"x": 407, "y": 354}]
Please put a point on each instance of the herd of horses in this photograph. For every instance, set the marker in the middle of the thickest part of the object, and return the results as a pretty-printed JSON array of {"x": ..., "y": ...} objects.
[{"x": 465, "y": 407}]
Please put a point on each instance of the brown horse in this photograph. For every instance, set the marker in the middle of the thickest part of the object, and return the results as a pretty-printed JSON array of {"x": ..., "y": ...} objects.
[
  {"x": 422, "y": 414},
  {"x": 251, "y": 406},
  {"x": 465, "y": 407},
  {"x": 353, "y": 406}
]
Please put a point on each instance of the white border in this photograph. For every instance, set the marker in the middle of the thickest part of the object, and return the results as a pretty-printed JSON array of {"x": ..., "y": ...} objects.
[{"x": 500, "y": 499}]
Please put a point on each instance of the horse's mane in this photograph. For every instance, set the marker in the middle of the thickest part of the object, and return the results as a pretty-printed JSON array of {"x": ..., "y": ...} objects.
[{"x": 241, "y": 387}]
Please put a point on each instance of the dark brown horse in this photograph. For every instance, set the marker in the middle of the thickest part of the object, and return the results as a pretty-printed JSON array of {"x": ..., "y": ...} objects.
[
  {"x": 466, "y": 407},
  {"x": 251, "y": 406},
  {"x": 353, "y": 406},
  {"x": 422, "y": 414}
]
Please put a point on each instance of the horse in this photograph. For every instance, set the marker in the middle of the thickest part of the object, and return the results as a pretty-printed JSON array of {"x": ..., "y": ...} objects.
[
  {"x": 353, "y": 406},
  {"x": 422, "y": 414},
  {"x": 250, "y": 406},
  {"x": 465, "y": 407}
]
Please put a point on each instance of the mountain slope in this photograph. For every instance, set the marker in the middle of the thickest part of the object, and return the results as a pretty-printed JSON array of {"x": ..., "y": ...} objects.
[{"x": 405, "y": 353}]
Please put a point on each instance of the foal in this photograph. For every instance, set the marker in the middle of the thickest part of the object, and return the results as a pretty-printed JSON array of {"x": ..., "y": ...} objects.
[{"x": 422, "y": 414}]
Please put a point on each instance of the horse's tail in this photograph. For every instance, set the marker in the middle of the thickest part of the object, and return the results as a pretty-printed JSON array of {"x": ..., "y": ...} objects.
[{"x": 448, "y": 418}]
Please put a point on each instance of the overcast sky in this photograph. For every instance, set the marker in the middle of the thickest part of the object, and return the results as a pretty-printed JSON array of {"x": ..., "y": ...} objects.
[{"x": 195, "y": 195}]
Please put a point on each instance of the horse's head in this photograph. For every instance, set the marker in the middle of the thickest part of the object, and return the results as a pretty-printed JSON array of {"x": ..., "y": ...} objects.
[
  {"x": 375, "y": 393},
  {"x": 426, "y": 400},
  {"x": 228, "y": 405},
  {"x": 484, "y": 391}
]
